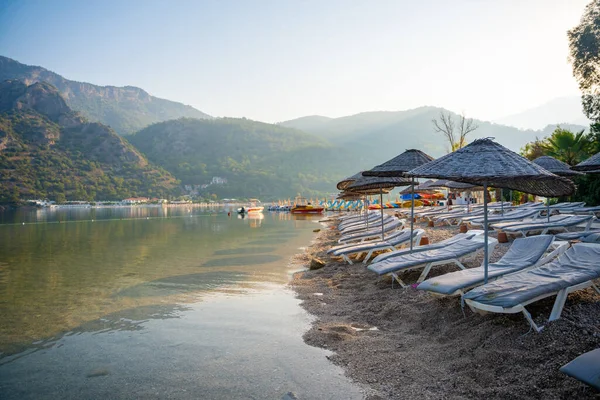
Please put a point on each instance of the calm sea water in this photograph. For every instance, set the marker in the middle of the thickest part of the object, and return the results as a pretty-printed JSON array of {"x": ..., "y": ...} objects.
[{"x": 151, "y": 302}]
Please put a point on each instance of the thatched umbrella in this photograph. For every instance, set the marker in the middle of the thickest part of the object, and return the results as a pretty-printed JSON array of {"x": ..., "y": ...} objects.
[
  {"x": 367, "y": 184},
  {"x": 557, "y": 167},
  {"x": 591, "y": 165},
  {"x": 487, "y": 163},
  {"x": 343, "y": 184},
  {"x": 398, "y": 166}
]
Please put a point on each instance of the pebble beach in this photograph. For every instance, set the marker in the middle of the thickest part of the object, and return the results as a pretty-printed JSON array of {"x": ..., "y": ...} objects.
[{"x": 406, "y": 343}]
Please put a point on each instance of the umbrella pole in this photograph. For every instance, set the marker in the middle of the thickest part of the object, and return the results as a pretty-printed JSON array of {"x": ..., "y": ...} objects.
[
  {"x": 381, "y": 207},
  {"x": 502, "y": 201},
  {"x": 412, "y": 211},
  {"x": 548, "y": 208},
  {"x": 485, "y": 234}
]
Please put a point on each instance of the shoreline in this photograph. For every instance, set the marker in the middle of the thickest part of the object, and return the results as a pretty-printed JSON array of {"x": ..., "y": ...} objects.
[{"x": 406, "y": 343}]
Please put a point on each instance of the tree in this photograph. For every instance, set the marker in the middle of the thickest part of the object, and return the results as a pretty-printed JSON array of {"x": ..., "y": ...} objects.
[
  {"x": 535, "y": 149},
  {"x": 567, "y": 146},
  {"x": 584, "y": 47},
  {"x": 455, "y": 132}
]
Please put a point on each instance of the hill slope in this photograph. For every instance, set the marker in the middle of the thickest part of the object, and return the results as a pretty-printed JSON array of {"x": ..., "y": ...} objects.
[
  {"x": 125, "y": 109},
  {"x": 382, "y": 135},
  {"x": 562, "y": 110},
  {"x": 257, "y": 159},
  {"x": 48, "y": 150}
]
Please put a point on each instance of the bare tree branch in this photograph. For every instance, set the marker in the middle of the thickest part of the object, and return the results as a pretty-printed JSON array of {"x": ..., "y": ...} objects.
[{"x": 446, "y": 126}]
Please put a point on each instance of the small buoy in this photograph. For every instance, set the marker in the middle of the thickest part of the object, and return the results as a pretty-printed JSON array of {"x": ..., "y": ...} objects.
[{"x": 23, "y": 223}]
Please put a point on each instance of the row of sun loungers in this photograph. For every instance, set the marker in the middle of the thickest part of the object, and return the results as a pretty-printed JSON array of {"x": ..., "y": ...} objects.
[{"x": 533, "y": 268}]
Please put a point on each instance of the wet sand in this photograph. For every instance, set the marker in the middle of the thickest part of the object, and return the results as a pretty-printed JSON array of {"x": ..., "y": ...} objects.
[{"x": 405, "y": 343}]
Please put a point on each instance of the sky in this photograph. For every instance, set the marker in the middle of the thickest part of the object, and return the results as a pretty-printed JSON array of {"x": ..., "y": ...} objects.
[{"x": 282, "y": 59}]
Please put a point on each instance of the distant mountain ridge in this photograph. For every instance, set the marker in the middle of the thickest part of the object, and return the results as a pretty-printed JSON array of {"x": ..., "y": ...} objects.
[
  {"x": 49, "y": 151},
  {"x": 125, "y": 109},
  {"x": 564, "y": 110},
  {"x": 384, "y": 134}
]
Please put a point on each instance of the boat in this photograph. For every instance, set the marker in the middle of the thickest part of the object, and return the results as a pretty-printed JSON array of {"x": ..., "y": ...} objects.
[
  {"x": 254, "y": 207},
  {"x": 302, "y": 206}
]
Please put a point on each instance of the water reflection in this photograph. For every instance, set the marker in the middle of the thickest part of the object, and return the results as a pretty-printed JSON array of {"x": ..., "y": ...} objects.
[
  {"x": 57, "y": 276},
  {"x": 173, "y": 285},
  {"x": 131, "y": 319}
]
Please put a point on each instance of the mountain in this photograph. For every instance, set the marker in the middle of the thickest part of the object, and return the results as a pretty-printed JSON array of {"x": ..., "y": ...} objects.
[
  {"x": 375, "y": 137},
  {"x": 125, "y": 109},
  {"x": 561, "y": 111},
  {"x": 48, "y": 150},
  {"x": 256, "y": 159}
]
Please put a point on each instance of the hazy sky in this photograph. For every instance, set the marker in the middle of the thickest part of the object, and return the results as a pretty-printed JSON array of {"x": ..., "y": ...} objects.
[{"x": 282, "y": 59}]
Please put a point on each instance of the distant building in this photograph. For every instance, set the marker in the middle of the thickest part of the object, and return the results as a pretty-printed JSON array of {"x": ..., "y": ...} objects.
[
  {"x": 135, "y": 200},
  {"x": 217, "y": 180}
]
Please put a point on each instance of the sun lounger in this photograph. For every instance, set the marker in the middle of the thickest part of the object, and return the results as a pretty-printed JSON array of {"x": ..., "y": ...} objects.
[
  {"x": 391, "y": 243},
  {"x": 363, "y": 226},
  {"x": 370, "y": 219},
  {"x": 372, "y": 233},
  {"x": 443, "y": 243},
  {"x": 544, "y": 226},
  {"x": 510, "y": 216},
  {"x": 523, "y": 253},
  {"x": 579, "y": 235},
  {"x": 585, "y": 368},
  {"x": 575, "y": 269},
  {"x": 430, "y": 258},
  {"x": 585, "y": 210},
  {"x": 389, "y": 237},
  {"x": 454, "y": 218}
]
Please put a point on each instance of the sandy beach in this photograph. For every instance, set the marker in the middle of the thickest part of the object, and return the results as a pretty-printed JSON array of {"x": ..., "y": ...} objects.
[{"x": 405, "y": 343}]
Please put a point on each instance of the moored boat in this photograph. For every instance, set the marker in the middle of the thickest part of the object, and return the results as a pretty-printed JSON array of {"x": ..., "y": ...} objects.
[{"x": 302, "y": 206}]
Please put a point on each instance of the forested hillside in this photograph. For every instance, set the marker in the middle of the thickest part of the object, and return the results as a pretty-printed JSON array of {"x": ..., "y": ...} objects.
[
  {"x": 49, "y": 151},
  {"x": 257, "y": 159}
]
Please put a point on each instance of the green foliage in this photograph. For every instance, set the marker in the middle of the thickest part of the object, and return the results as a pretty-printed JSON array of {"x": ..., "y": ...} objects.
[
  {"x": 257, "y": 159},
  {"x": 584, "y": 46},
  {"x": 40, "y": 158},
  {"x": 571, "y": 148},
  {"x": 564, "y": 145}
]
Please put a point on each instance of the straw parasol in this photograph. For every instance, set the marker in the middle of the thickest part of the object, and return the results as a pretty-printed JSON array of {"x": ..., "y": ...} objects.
[
  {"x": 398, "y": 166},
  {"x": 369, "y": 183},
  {"x": 343, "y": 184},
  {"x": 487, "y": 163},
  {"x": 557, "y": 167},
  {"x": 591, "y": 165}
]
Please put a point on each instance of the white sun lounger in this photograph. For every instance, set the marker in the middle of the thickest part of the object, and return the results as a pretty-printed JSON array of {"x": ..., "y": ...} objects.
[
  {"x": 373, "y": 233},
  {"x": 358, "y": 224},
  {"x": 575, "y": 269},
  {"x": 442, "y": 243},
  {"x": 357, "y": 220},
  {"x": 585, "y": 368},
  {"x": 391, "y": 243},
  {"x": 545, "y": 226},
  {"x": 389, "y": 237},
  {"x": 454, "y": 218},
  {"x": 579, "y": 235},
  {"x": 523, "y": 254},
  {"x": 511, "y": 216},
  {"x": 355, "y": 228},
  {"x": 430, "y": 258}
]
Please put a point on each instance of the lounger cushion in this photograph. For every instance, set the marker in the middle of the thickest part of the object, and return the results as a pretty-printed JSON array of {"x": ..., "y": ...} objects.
[
  {"x": 390, "y": 238},
  {"x": 408, "y": 260},
  {"x": 578, "y": 264},
  {"x": 568, "y": 221},
  {"x": 586, "y": 368},
  {"x": 575, "y": 235},
  {"x": 523, "y": 253},
  {"x": 371, "y": 232},
  {"x": 401, "y": 237}
]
